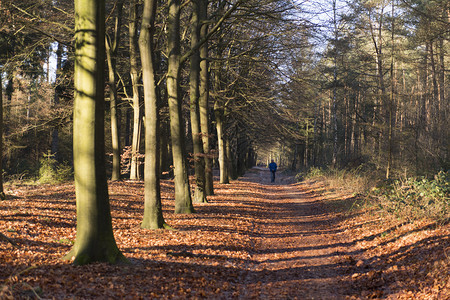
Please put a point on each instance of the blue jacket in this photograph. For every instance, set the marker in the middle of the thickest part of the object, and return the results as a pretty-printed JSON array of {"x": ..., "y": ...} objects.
[{"x": 272, "y": 166}]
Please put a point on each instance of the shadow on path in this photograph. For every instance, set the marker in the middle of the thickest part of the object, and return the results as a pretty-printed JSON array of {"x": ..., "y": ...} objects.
[{"x": 297, "y": 243}]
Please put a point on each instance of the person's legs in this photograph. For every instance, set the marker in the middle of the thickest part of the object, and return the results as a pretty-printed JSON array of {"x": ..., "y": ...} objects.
[{"x": 272, "y": 179}]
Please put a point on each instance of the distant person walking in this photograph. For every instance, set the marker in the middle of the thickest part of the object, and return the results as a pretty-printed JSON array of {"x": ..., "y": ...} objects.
[{"x": 273, "y": 169}]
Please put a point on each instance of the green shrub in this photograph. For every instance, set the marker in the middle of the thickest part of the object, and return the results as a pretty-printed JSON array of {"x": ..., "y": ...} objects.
[
  {"x": 51, "y": 172},
  {"x": 311, "y": 173},
  {"x": 417, "y": 198},
  {"x": 314, "y": 172}
]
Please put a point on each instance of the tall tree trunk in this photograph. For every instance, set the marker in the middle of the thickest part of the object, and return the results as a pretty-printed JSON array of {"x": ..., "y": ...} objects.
[
  {"x": 194, "y": 82},
  {"x": 434, "y": 107},
  {"x": 2, "y": 193},
  {"x": 345, "y": 126},
  {"x": 153, "y": 217},
  {"x": 354, "y": 125},
  {"x": 165, "y": 156},
  {"x": 390, "y": 114},
  {"x": 316, "y": 134},
  {"x": 204, "y": 100},
  {"x": 441, "y": 106},
  {"x": 9, "y": 93},
  {"x": 422, "y": 90},
  {"x": 384, "y": 100},
  {"x": 55, "y": 136},
  {"x": 111, "y": 53},
  {"x": 231, "y": 170},
  {"x": 137, "y": 112},
  {"x": 294, "y": 158},
  {"x": 307, "y": 145},
  {"x": 334, "y": 104},
  {"x": 128, "y": 117},
  {"x": 219, "y": 113},
  {"x": 183, "y": 200},
  {"x": 95, "y": 238}
]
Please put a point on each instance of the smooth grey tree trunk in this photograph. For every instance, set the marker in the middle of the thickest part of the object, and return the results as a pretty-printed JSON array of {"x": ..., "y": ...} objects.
[
  {"x": 111, "y": 53},
  {"x": 95, "y": 239},
  {"x": 204, "y": 100},
  {"x": 183, "y": 200},
  {"x": 194, "y": 83},
  {"x": 223, "y": 166},
  {"x": 136, "y": 102},
  {"x": 153, "y": 217},
  {"x": 55, "y": 133}
]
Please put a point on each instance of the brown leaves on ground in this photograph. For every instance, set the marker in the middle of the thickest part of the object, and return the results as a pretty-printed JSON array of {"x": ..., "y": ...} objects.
[
  {"x": 253, "y": 240},
  {"x": 390, "y": 258}
]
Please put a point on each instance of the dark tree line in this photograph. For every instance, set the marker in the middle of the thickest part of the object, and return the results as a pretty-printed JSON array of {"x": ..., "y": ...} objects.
[{"x": 377, "y": 95}]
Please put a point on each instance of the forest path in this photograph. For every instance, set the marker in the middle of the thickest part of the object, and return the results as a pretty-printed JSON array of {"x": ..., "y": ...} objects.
[{"x": 296, "y": 246}]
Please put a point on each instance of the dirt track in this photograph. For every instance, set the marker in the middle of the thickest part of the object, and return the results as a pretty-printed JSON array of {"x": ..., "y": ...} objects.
[{"x": 296, "y": 247}]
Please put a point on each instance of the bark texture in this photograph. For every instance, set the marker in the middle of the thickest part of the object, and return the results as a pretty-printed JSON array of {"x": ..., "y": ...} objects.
[
  {"x": 183, "y": 200},
  {"x": 2, "y": 193},
  {"x": 198, "y": 155},
  {"x": 136, "y": 102},
  {"x": 153, "y": 217},
  {"x": 111, "y": 53},
  {"x": 95, "y": 240},
  {"x": 223, "y": 166},
  {"x": 204, "y": 100}
]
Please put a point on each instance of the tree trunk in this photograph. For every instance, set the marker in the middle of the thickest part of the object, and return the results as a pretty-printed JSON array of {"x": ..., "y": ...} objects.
[
  {"x": 434, "y": 107},
  {"x": 95, "y": 239},
  {"x": 231, "y": 170},
  {"x": 218, "y": 111},
  {"x": 128, "y": 117},
  {"x": 194, "y": 82},
  {"x": 384, "y": 100},
  {"x": 2, "y": 193},
  {"x": 390, "y": 113},
  {"x": 306, "y": 159},
  {"x": 334, "y": 106},
  {"x": 165, "y": 156},
  {"x": 111, "y": 53},
  {"x": 183, "y": 200},
  {"x": 55, "y": 136},
  {"x": 423, "y": 90},
  {"x": 442, "y": 95},
  {"x": 355, "y": 131},
  {"x": 204, "y": 100},
  {"x": 346, "y": 122},
  {"x": 153, "y": 217},
  {"x": 137, "y": 112},
  {"x": 9, "y": 93}
]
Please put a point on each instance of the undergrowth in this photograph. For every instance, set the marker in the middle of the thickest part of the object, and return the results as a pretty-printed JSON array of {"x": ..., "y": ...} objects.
[
  {"x": 355, "y": 181},
  {"x": 52, "y": 172},
  {"x": 416, "y": 198},
  {"x": 408, "y": 199}
]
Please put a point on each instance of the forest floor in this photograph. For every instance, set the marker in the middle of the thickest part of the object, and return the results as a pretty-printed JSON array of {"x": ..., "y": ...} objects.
[{"x": 253, "y": 240}]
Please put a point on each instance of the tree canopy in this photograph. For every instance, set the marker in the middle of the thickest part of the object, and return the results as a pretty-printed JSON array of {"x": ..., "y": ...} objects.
[{"x": 308, "y": 82}]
